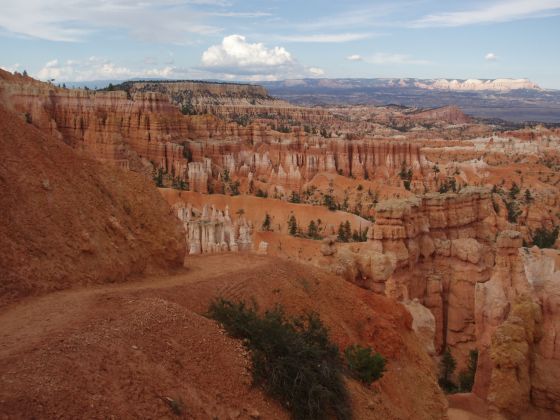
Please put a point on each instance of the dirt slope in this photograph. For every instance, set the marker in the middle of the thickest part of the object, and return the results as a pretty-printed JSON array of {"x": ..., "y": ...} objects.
[
  {"x": 69, "y": 220},
  {"x": 120, "y": 351}
]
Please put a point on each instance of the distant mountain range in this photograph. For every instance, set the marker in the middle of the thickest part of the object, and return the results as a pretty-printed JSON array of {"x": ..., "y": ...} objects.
[
  {"x": 500, "y": 85},
  {"x": 517, "y": 100}
]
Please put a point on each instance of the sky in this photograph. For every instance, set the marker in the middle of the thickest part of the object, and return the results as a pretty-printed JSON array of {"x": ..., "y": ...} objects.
[{"x": 251, "y": 40}]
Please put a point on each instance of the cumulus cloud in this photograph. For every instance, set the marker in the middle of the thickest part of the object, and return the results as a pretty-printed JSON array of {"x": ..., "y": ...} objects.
[
  {"x": 490, "y": 57},
  {"x": 95, "y": 68},
  {"x": 235, "y": 51},
  {"x": 235, "y": 57},
  {"x": 355, "y": 57}
]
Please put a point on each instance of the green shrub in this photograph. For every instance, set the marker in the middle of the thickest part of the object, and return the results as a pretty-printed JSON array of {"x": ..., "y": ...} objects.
[
  {"x": 513, "y": 211},
  {"x": 364, "y": 364},
  {"x": 313, "y": 230},
  {"x": 292, "y": 225},
  {"x": 466, "y": 377},
  {"x": 544, "y": 238},
  {"x": 447, "y": 367},
  {"x": 295, "y": 198},
  {"x": 158, "y": 177},
  {"x": 267, "y": 223},
  {"x": 329, "y": 202},
  {"x": 261, "y": 193},
  {"x": 293, "y": 358}
]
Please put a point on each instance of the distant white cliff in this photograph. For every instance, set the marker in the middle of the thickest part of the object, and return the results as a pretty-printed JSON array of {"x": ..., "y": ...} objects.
[{"x": 501, "y": 85}]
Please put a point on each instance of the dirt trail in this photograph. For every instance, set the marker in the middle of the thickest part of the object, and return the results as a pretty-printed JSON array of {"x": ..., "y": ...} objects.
[
  {"x": 141, "y": 349},
  {"x": 27, "y": 321},
  {"x": 121, "y": 351}
]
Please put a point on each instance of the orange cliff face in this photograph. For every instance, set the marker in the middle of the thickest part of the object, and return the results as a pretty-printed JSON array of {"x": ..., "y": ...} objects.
[
  {"x": 469, "y": 285},
  {"x": 230, "y": 101},
  {"x": 108, "y": 124},
  {"x": 146, "y": 129}
]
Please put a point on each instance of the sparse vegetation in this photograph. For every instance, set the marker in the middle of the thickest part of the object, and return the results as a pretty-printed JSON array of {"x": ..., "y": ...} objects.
[
  {"x": 447, "y": 367},
  {"x": 406, "y": 175},
  {"x": 544, "y": 238},
  {"x": 295, "y": 198},
  {"x": 364, "y": 364},
  {"x": 292, "y": 225},
  {"x": 528, "y": 196},
  {"x": 329, "y": 202},
  {"x": 293, "y": 358},
  {"x": 158, "y": 177},
  {"x": 267, "y": 223},
  {"x": 188, "y": 109},
  {"x": 313, "y": 230},
  {"x": 466, "y": 377},
  {"x": 261, "y": 193},
  {"x": 513, "y": 210},
  {"x": 344, "y": 232},
  {"x": 514, "y": 191},
  {"x": 450, "y": 184}
]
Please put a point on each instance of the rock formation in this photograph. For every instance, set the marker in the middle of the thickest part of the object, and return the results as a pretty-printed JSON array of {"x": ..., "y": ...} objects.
[
  {"x": 143, "y": 129},
  {"x": 441, "y": 254},
  {"x": 211, "y": 230}
]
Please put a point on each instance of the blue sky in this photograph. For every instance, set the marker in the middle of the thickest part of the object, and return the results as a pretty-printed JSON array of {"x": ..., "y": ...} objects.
[{"x": 77, "y": 40}]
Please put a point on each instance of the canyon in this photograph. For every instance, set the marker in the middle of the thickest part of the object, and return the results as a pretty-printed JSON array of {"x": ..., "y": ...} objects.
[{"x": 418, "y": 232}]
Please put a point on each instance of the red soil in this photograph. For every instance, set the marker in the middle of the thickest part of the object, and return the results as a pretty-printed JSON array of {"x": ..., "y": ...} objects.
[
  {"x": 122, "y": 350},
  {"x": 67, "y": 219}
]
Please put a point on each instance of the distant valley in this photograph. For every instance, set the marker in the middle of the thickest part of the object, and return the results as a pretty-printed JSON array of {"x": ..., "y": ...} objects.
[{"x": 517, "y": 100}]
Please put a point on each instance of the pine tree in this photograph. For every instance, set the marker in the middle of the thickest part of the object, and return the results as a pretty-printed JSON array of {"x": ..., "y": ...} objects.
[
  {"x": 466, "y": 377},
  {"x": 514, "y": 191},
  {"x": 295, "y": 198},
  {"x": 312, "y": 230},
  {"x": 528, "y": 196},
  {"x": 158, "y": 178},
  {"x": 447, "y": 367},
  {"x": 292, "y": 225},
  {"x": 347, "y": 231},
  {"x": 267, "y": 222},
  {"x": 343, "y": 235}
]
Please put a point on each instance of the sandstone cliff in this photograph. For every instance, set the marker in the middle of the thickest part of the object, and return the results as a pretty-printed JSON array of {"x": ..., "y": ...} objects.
[
  {"x": 443, "y": 253},
  {"x": 229, "y": 101},
  {"x": 143, "y": 130}
]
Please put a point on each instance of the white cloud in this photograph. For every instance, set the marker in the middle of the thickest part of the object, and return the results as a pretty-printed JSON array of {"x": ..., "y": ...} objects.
[
  {"x": 327, "y": 38},
  {"x": 490, "y": 57},
  {"x": 316, "y": 71},
  {"x": 235, "y": 51},
  {"x": 501, "y": 11},
  {"x": 389, "y": 58},
  {"x": 355, "y": 57},
  {"x": 62, "y": 20},
  {"x": 11, "y": 68},
  {"x": 95, "y": 68},
  {"x": 236, "y": 58}
]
